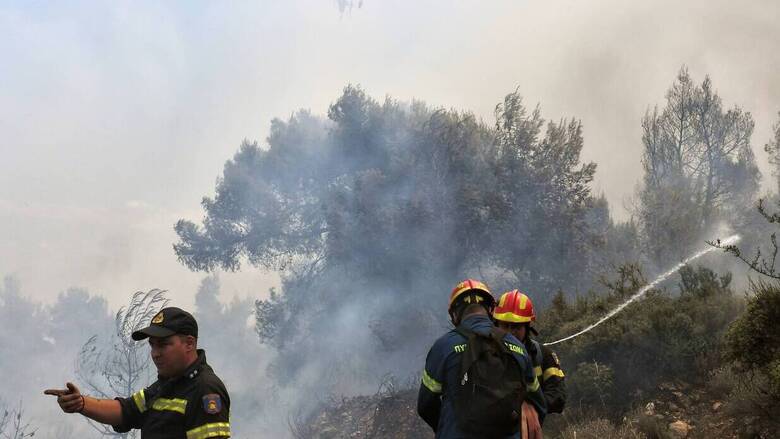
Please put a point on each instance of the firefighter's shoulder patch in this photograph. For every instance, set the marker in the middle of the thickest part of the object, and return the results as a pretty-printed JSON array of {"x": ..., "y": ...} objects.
[{"x": 212, "y": 404}]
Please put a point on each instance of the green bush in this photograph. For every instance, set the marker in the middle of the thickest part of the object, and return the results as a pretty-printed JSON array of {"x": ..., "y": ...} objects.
[
  {"x": 662, "y": 337},
  {"x": 753, "y": 341},
  {"x": 753, "y": 347},
  {"x": 593, "y": 383}
]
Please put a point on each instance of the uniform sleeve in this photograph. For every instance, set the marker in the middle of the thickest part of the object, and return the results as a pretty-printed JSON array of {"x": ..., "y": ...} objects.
[
  {"x": 534, "y": 393},
  {"x": 133, "y": 409},
  {"x": 431, "y": 387},
  {"x": 208, "y": 414},
  {"x": 553, "y": 384}
]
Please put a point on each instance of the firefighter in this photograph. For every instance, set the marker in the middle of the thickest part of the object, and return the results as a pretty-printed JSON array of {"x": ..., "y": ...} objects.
[
  {"x": 514, "y": 313},
  {"x": 187, "y": 401},
  {"x": 443, "y": 377}
]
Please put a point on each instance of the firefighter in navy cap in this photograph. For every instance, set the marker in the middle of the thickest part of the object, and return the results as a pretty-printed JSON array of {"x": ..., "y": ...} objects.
[{"x": 188, "y": 400}]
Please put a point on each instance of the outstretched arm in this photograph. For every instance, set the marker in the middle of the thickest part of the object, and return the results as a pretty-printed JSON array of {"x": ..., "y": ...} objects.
[{"x": 70, "y": 399}]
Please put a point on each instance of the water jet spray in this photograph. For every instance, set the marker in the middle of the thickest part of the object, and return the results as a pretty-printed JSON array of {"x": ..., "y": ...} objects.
[{"x": 728, "y": 241}]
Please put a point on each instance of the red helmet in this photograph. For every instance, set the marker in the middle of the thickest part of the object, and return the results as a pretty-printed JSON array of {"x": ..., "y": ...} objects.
[
  {"x": 472, "y": 286},
  {"x": 514, "y": 307}
]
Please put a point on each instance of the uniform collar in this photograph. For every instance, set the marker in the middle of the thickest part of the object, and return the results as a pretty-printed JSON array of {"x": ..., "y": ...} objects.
[
  {"x": 195, "y": 367},
  {"x": 477, "y": 322},
  {"x": 192, "y": 371},
  {"x": 475, "y": 318}
]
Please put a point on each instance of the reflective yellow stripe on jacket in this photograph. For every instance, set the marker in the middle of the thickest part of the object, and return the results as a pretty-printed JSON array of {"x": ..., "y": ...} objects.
[
  {"x": 432, "y": 385},
  {"x": 140, "y": 400},
  {"x": 173, "y": 405},
  {"x": 215, "y": 429},
  {"x": 551, "y": 372},
  {"x": 538, "y": 371},
  {"x": 533, "y": 387}
]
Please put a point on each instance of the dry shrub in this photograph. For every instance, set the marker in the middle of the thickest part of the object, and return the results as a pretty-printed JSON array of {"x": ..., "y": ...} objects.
[
  {"x": 601, "y": 429},
  {"x": 722, "y": 382},
  {"x": 652, "y": 428}
]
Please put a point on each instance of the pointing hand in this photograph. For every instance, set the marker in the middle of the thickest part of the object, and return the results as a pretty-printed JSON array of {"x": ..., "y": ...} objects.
[{"x": 70, "y": 399}]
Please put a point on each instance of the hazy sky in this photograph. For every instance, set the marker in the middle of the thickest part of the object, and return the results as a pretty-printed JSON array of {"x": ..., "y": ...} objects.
[{"x": 117, "y": 117}]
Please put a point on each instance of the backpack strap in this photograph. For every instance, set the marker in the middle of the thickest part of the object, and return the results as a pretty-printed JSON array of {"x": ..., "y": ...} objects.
[
  {"x": 464, "y": 331},
  {"x": 472, "y": 353},
  {"x": 498, "y": 334}
]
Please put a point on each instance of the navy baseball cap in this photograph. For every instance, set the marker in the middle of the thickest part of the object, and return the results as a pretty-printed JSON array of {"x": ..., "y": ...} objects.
[{"x": 167, "y": 322}]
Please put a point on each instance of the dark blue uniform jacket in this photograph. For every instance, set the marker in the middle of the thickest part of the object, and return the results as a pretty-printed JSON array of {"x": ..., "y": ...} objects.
[{"x": 193, "y": 406}]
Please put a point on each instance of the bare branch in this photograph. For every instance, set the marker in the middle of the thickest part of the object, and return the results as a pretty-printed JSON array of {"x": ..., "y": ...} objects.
[
  {"x": 13, "y": 424},
  {"x": 758, "y": 263},
  {"x": 120, "y": 366}
]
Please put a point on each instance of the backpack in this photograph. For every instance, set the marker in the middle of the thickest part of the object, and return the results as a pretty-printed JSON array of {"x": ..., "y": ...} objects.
[{"x": 489, "y": 393}]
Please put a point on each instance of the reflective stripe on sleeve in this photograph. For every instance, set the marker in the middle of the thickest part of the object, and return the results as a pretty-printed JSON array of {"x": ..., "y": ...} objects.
[
  {"x": 173, "y": 405},
  {"x": 551, "y": 372},
  {"x": 538, "y": 371},
  {"x": 140, "y": 400},
  {"x": 214, "y": 429},
  {"x": 432, "y": 385},
  {"x": 533, "y": 387}
]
